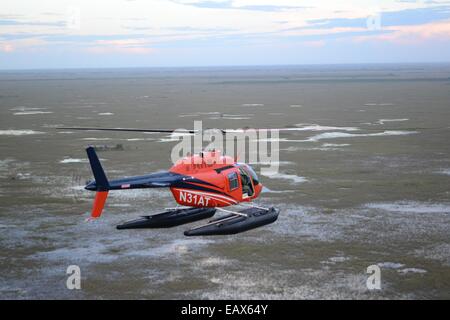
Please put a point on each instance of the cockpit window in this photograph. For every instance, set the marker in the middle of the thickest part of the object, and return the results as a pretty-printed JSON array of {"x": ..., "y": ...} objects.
[
  {"x": 253, "y": 174},
  {"x": 233, "y": 181}
]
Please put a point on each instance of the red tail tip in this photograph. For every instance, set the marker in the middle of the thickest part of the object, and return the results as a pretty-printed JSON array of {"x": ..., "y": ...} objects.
[{"x": 99, "y": 203}]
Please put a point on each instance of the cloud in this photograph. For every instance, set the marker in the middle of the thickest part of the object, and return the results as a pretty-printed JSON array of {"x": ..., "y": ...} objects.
[
  {"x": 117, "y": 49},
  {"x": 412, "y": 34},
  {"x": 86, "y": 38},
  {"x": 6, "y": 47},
  {"x": 234, "y": 5},
  {"x": 12, "y": 22},
  {"x": 127, "y": 46},
  {"x": 21, "y": 44},
  {"x": 396, "y": 18},
  {"x": 315, "y": 44}
]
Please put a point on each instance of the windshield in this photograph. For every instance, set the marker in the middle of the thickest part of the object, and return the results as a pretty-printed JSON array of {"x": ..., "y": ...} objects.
[{"x": 253, "y": 174}]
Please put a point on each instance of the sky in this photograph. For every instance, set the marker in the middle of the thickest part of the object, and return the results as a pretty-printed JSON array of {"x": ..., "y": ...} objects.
[{"x": 166, "y": 33}]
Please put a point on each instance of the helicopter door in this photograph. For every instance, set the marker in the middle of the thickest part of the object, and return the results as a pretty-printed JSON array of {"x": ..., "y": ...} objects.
[{"x": 247, "y": 186}]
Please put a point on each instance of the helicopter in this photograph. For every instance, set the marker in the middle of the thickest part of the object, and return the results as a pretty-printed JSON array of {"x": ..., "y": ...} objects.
[{"x": 201, "y": 185}]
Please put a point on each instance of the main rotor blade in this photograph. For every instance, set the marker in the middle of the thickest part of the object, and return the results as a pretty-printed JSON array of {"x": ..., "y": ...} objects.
[
  {"x": 224, "y": 131},
  {"x": 171, "y": 130},
  {"x": 127, "y": 129},
  {"x": 176, "y": 130}
]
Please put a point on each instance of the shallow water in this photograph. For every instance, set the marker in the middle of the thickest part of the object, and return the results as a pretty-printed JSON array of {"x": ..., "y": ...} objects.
[{"x": 363, "y": 181}]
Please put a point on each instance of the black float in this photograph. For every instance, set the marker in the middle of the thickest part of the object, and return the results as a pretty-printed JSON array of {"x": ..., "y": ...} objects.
[
  {"x": 169, "y": 219},
  {"x": 232, "y": 224}
]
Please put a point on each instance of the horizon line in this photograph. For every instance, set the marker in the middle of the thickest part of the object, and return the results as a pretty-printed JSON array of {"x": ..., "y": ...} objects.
[{"x": 227, "y": 66}]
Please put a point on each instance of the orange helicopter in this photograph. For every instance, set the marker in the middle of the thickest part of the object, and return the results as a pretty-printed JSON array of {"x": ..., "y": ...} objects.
[{"x": 202, "y": 184}]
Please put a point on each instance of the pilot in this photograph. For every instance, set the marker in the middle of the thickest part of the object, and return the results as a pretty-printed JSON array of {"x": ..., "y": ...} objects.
[{"x": 246, "y": 185}]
